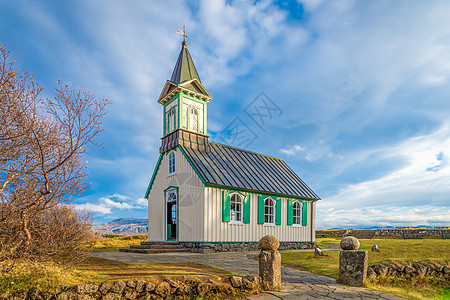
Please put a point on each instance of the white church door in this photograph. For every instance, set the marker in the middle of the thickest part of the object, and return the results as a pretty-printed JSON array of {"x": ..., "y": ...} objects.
[{"x": 171, "y": 214}]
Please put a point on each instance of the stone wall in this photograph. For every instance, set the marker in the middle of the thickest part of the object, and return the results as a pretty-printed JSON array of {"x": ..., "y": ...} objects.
[
  {"x": 394, "y": 233},
  {"x": 417, "y": 269},
  {"x": 250, "y": 246},
  {"x": 143, "y": 290}
]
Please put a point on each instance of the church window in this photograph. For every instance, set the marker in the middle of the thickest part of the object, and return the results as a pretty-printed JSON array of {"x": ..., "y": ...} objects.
[
  {"x": 297, "y": 213},
  {"x": 236, "y": 208},
  {"x": 269, "y": 211},
  {"x": 193, "y": 119},
  {"x": 173, "y": 212},
  {"x": 171, "y": 163},
  {"x": 170, "y": 123}
]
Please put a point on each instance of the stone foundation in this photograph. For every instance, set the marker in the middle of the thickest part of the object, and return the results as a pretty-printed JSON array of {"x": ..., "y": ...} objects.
[{"x": 244, "y": 246}]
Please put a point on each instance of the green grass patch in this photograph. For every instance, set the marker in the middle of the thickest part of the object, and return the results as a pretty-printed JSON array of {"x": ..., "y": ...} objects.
[
  {"x": 114, "y": 243},
  {"x": 404, "y": 251}
]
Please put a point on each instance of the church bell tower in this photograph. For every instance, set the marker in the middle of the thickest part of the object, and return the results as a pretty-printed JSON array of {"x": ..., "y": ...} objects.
[{"x": 184, "y": 101}]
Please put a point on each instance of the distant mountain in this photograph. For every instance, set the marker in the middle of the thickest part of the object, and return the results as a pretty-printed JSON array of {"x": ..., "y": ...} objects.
[{"x": 123, "y": 226}]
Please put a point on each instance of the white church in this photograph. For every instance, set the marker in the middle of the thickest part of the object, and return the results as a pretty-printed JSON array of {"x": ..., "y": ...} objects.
[{"x": 208, "y": 196}]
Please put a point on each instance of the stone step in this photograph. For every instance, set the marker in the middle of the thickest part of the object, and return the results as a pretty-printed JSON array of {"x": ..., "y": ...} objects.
[
  {"x": 150, "y": 251},
  {"x": 161, "y": 243},
  {"x": 162, "y": 246}
]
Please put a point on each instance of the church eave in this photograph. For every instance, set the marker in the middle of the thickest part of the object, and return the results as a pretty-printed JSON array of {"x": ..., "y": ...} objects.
[{"x": 180, "y": 89}]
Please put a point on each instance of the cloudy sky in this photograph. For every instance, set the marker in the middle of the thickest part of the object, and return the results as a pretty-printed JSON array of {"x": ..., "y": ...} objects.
[{"x": 362, "y": 91}]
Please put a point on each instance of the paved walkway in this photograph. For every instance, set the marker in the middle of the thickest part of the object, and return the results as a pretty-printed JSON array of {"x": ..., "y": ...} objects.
[{"x": 296, "y": 284}]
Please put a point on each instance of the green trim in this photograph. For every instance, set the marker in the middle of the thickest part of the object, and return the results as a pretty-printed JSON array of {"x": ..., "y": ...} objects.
[
  {"x": 204, "y": 119},
  {"x": 155, "y": 172},
  {"x": 204, "y": 242},
  {"x": 167, "y": 233},
  {"x": 187, "y": 158},
  {"x": 305, "y": 214},
  {"x": 260, "y": 209},
  {"x": 226, "y": 206},
  {"x": 278, "y": 212},
  {"x": 180, "y": 111},
  {"x": 290, "y": 211},
  {"x": 246, "y": 209}
]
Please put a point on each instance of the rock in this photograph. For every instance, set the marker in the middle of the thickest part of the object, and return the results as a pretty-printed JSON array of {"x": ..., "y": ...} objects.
[
  {"x": 172, "y": 283},
  {"x": 353, "y": 267},
  {"x": 66, "y": 296},
  {"x": 349, "y": 243},
  {"x": 408, "y": 270},
  {"x": 118, "y": 286},
  {"x": 256, "y": 280},
  {"x": 371, "y": 273},
  {"x": 203, "y": 288},
  {"x": 131, "y": 283},
  {"x": 149, "y": 287},
  {"x": 140, "y": 286},
  {"x": 163, "y": 289},
  {"x": 399, "y": 268},
  {"x": 270, "y": 270},
  {"x": 236, "y": 281},
  {"x": 421, "y": 270},
  {"x": 438, "y": 268},
  {"x": 269, "y": 242},
  {"x": 446, "y": 270},
  {"x": 111, "y": 296},
  {"x": 182, "y": 289},
  {"x": 34, "y": 294},
  {"x": 104, "y": 288},
  {"x": 85, "y": 288},
  {"x": 247, "y": 284},
  {"x": 129, "y": 293},
  {"x": 380, "y": 269}
]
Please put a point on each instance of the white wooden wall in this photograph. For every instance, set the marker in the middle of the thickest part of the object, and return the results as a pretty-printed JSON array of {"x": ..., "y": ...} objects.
[
  {"x": 218, "y": 231},
  {"x": 190, "y": 201}
]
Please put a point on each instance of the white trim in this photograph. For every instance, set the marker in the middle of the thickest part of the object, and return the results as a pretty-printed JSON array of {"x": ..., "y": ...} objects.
[
  {"x": 241, "y": 212},
  {"x": 274, "y": 202},
  {"x": 236, "y": 223}
]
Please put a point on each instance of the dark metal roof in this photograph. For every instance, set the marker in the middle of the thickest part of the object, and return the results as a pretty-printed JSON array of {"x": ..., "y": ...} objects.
[
  {"x": 225, "y": 166},
  {"x": 184, "y": 68}
]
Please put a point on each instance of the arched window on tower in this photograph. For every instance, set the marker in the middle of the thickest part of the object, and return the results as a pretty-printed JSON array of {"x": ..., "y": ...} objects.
[
  {"x": 170, "y": 120},
  {"x": 193, "y": 119}
]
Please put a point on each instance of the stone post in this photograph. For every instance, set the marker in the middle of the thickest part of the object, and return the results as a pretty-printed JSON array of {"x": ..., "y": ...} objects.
[
  {"x": 270, "y": 263},
  {"x": 352, "y": 262}
]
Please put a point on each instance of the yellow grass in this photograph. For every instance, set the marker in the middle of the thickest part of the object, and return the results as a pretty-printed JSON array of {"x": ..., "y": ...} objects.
[{"x": 114, "y": 243}]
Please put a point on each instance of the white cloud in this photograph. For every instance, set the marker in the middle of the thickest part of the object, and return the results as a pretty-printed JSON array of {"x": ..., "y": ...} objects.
[
  {"x": 292, "y": 150},
  {"x": 142, "y": 202},
  {"x": 100, "y": 208}
]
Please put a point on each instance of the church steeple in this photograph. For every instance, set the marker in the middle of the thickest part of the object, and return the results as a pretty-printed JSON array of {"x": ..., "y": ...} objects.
[
  {"x": 184, "y": 68},
  {"x": 184, "y": 99}
]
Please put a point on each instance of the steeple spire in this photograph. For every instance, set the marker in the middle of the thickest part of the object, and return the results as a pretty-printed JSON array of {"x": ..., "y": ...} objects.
[{"x": 184, "y": 68}]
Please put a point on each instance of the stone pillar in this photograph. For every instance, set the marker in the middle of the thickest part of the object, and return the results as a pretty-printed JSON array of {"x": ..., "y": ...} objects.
[
  {"x": 270, "y": 263},
  {"x": 352, "y": 262}
]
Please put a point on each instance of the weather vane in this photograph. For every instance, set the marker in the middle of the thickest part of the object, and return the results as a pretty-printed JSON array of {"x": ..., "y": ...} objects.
[{"x": 182, "y": 32}]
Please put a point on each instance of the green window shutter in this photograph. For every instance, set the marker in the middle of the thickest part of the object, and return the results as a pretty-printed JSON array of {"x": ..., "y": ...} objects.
[
  {"x": 278, "y": 212},
  {"x": 290, "y": 212},
  {"x": 305, "y": 213},
  {"x": 247, "y": 209},
  {"x": 260, "y": 210},
  {"x": 225, "y": 207}
]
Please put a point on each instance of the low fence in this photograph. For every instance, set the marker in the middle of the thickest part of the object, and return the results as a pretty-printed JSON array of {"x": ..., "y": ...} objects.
[{"x": 393, "y": 233}]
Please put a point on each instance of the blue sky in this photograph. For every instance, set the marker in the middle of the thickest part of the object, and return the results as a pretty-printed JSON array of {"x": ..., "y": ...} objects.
[{"x": 362, "y": 89}]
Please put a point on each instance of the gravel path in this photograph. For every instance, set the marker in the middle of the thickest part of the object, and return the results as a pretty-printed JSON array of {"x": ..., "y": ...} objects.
[{"x": 296, "y": 284}]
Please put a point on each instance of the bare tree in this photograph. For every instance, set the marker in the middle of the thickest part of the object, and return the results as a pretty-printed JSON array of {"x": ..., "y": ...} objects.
[{"x": 42, "y": 163}]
